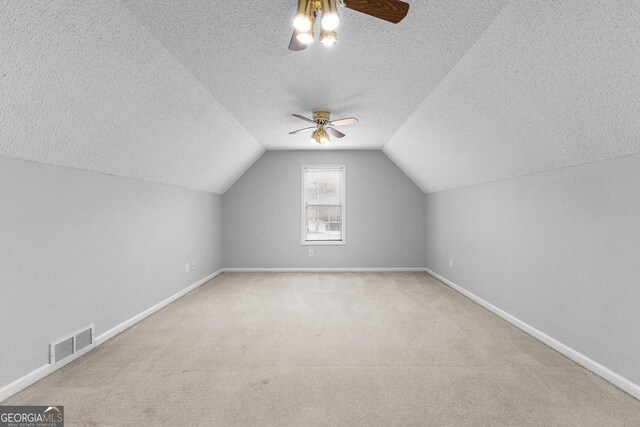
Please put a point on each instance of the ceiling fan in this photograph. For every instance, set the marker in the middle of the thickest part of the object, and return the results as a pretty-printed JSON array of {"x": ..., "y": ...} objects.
[
  {"x": 308, "y": 10},
  {"x": 323, "y": 126}
]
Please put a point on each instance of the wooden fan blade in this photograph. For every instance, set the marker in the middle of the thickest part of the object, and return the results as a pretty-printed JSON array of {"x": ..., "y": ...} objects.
[
  {"x": 302, "y": 130},
  {"x": 389, "y": 10},
  {"x": 294, "y": 44},
  {"x": 335, "y": 132},
  {"x": 303, "y": 118},
  {"x": 344, "y": 122}
]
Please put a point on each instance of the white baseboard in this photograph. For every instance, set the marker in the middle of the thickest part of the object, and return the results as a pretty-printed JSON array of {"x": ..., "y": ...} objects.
[
  {"x": 24, "y": 382},
  {"x": 44, "y": 370},
  {"x": 105, "y": 336},
  {"x": 604, "y": 372},
  {"x": 590, "y": 364},
  {"x": 317, "y": 270}
]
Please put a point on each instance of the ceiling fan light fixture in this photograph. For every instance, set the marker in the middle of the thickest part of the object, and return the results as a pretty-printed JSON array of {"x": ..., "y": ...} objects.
[
  {"x": 330, "y": 18},
  {"x": 320, "y": 136},
  {"x": 305, "y": 37},
  {"x": 303, "y": 22},
  {"x": 392, "y": 11},
  {"x": 324, "y": 136},
  {"x": 328, "y": 38},
  {"x": 330, "y": 21},
  {"x": 315, "y": 136}
]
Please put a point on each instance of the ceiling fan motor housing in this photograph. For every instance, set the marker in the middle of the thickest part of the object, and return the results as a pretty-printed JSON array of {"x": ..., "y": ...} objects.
[{"x": 321, "y": 117}]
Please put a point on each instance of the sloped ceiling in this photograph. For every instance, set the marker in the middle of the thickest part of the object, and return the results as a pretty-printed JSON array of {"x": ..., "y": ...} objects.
[
  {"x": 84, "y": 85},
  {"x": 550, "y": 84},
  {"x": 191, "y": 93}
]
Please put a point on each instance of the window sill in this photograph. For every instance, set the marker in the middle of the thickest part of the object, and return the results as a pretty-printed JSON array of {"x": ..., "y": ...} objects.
[{"x": 323, "y": 243}]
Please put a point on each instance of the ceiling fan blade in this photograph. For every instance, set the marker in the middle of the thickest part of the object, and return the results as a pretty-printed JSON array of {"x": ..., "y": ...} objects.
[
  {"x": 335, "y": 132},
  {"x": 344, "y": 122},
  {"x": 302, "y": 130},
  {"x": 303, "y": 118},
  {"x": 294, "y": 44},
  {"x": 388, "y": 10}
]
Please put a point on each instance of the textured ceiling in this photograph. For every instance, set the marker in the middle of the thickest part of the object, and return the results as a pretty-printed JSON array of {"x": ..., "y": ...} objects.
[
  {"x": 190, "y": 93},
  {"x": 550, "y": 84},
  {"x": 378, "y": 72},
  {"x": 84, "y": 85}
]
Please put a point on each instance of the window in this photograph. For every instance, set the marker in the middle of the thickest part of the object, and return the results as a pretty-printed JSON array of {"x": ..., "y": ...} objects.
[{"x": 323, "y": 205}]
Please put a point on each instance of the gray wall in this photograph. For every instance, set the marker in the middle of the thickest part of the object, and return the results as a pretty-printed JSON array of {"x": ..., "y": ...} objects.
[
  {"x": 559, "y": 250},
  {"x": 81, "y": 247},
  {"x": 384, "y": 214}
]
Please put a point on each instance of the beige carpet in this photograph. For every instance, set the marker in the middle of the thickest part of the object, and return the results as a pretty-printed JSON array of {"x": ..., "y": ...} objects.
[{"x": 345, "y": 349}]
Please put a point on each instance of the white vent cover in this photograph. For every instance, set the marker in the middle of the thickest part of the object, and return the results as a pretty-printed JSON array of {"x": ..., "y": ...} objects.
[
  {"x": 71, "y": 347},
  {"x": 62, "y": 350},
  {"x": 83, "y": 339}
]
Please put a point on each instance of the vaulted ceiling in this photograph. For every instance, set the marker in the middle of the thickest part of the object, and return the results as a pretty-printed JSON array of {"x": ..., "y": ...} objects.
[
  {"x": 191, "y": 93},
  {"x": 377, "y": 71}
]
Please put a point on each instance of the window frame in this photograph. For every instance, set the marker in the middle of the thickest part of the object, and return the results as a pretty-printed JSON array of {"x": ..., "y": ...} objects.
[{"x": 303, "y": 215}]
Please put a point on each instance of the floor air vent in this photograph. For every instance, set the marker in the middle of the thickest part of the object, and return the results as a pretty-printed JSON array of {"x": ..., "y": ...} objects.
[
  {"x": 71, "y": 347},
  {"x": 83, "y": 339},
  {"x": 62, "y": 350}
]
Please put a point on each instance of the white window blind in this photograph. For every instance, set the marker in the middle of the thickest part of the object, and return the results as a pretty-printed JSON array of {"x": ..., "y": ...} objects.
[{"x": 323, "y": 204}]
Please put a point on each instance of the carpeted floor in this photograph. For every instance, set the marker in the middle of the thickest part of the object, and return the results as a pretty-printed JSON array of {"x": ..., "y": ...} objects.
[{"x": 328, "y": 349}]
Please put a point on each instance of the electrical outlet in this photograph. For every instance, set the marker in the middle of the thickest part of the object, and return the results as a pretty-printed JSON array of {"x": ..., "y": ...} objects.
[
  {"x": 450, "y": 262},
  {"x": 310, "y": 252},
  {"x": 193, "y": 265}
]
